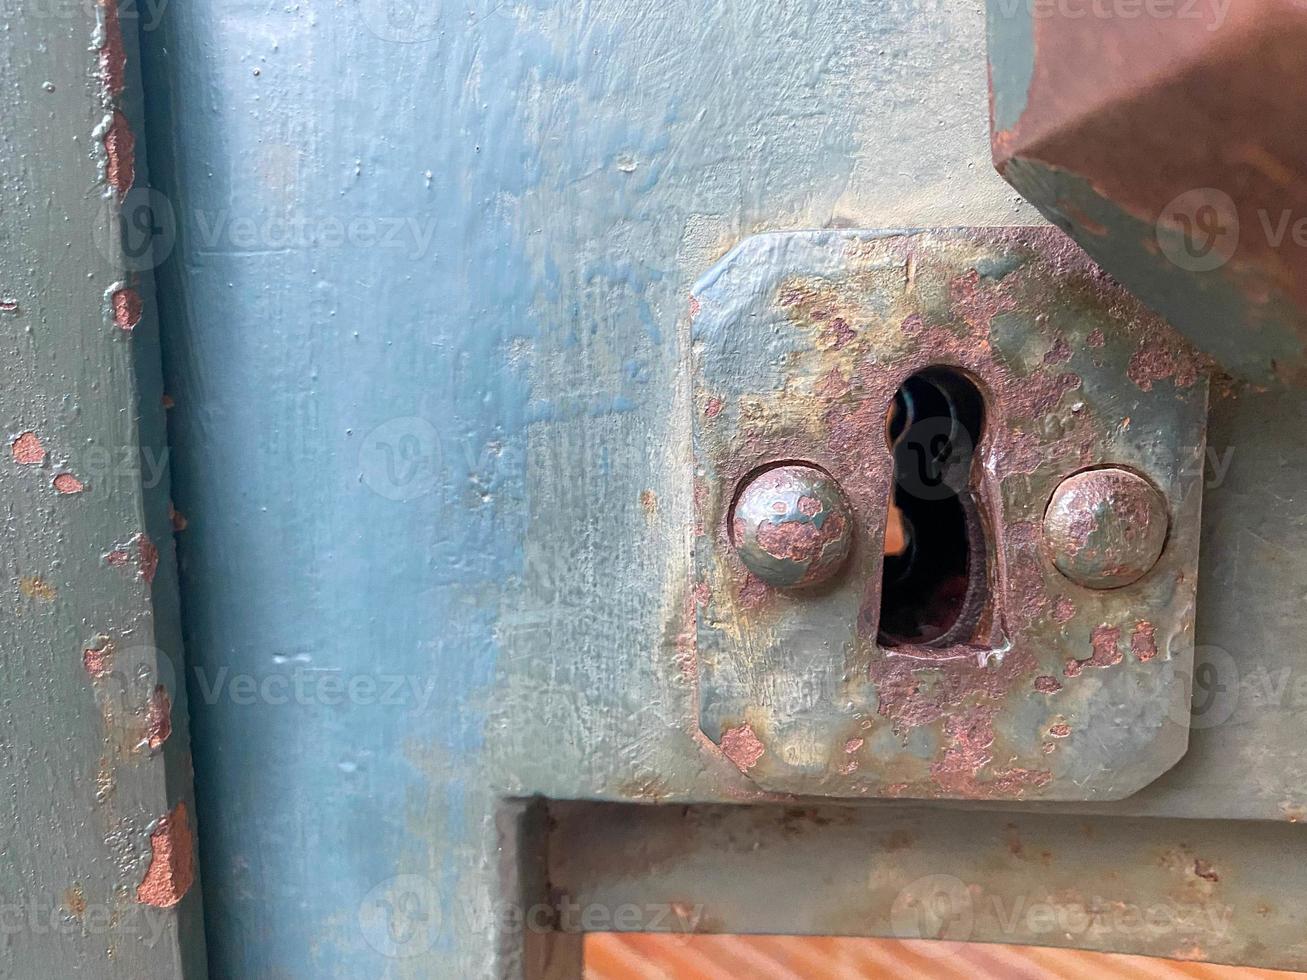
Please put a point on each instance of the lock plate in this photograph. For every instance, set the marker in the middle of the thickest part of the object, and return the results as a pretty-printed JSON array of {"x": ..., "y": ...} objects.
[{"x": 1059, "y": 691}]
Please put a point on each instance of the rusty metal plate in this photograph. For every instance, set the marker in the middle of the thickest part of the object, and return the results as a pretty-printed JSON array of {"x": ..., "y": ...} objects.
[{"x": 1054, "y": 690}]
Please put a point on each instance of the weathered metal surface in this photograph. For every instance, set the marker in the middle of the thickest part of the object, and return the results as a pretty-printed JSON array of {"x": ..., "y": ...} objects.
[
  {"x": 1195, "y": 890},
  {"x": 1170, "y": 139},
  {"x": 97, "y": 818},
  {"x": 519, "y": 585},
  {"x": 1105, "y": 528},
  {"x": 790, "y": 525},
  {"x": 797, "y": 690}
]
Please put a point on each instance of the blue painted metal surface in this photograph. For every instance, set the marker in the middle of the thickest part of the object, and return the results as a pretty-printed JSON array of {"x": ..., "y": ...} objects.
[
  {"x": 557, "y": 175},
  {"x": 427, "y": 322}
]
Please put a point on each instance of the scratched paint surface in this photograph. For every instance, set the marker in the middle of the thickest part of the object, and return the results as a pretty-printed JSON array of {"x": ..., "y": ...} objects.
[
  {"x": 432, "y": 418},
  {"x": 97, "y": 871}
]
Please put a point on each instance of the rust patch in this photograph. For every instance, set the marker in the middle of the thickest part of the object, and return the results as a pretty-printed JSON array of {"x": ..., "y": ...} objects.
[
  {"x": 1143, "y": 641},
  {"x": 1205, "y": 871},
  {"x": 1064, "y": 610},
  {"x": 1106, "y": 651},
  {"x": 1047, "y": 684},
  {"x": 648, "y": 501},
  {"x": 1060, "y": 730},
  {"x": 178, "y": 520},
  {"x": 75, "y": 901},
  {"x": 970, "y": 751},
  {"x": 158, "y": 722},
  {"x": 127, "y": 308},
  {"x": 27, "y": 450},
  {"x": 1157, "y": 360},
  {"x": 120, "y": 155},
  {"x": 1059, "y": 353},
  {"x": 67, "y": 483},
  {"x": 35, "y": 587},
  {"x": 113, "y": 55},
  {"x": 713, "y": 408},
  {"x": 8, "y": 304},
  {"x": 98, "y": 659},
  {"x": 742, "y": 747},
  {"x": 172, "y": 861}
]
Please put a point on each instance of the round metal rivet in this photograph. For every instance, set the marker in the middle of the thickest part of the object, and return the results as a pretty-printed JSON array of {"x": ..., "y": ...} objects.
[
  {"x": 792, "y": 526},
  {"x": 1106, "y": 528}
]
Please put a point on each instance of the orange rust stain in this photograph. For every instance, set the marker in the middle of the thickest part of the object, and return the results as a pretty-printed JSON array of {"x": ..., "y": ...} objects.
[
  {"x": 127, "y": 308},
  {"x": 75, "y": 901},
  {"x": 27, "y": 450},
  {"x": 148, "y": 558},
  {"x": 177, "y": 518},
  {"x": 113, "y": 55},
  {"x": 172, "y": 861},
  {"x": 35, "y": 587},
  {"x": 1143, "y": 641},
  {"x": 742, "y": 747},
  {"x": 158, "y": 723},
  {"x": 1106, "y": 653},
  {"x": 120, "y": 152},
  {"x": 1047, "y": 684},
  {"x": 98, "y": 660},
  {"x": 67, "y": 483},
  {"x": 167, "y": 402},
  {"x": 649, "y": 501}
]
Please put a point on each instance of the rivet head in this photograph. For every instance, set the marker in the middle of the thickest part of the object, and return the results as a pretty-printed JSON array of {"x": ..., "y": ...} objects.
[
  {"x": 792, "y": 526},
  {"x": 1106, "y": 528}
]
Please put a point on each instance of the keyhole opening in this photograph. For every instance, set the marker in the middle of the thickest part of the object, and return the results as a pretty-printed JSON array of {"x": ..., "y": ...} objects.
[{"x": 933, "y": 587}]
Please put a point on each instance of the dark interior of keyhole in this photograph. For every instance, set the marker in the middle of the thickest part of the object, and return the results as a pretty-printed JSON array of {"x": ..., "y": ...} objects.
[{"x": 933, "y": 542}]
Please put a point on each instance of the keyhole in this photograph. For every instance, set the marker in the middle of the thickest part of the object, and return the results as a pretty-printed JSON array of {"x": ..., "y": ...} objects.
[{"x": 933, "y": 588}]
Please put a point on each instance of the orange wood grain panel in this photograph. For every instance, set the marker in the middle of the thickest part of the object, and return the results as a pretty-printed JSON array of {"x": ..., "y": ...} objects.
[{"x": 637, "y": 956}]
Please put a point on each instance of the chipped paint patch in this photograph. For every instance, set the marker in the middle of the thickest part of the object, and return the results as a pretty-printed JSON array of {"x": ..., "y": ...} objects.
[
  {"x": 113, "y": 54},
  {"x": 27, "y": 450},
  {"x": 1143, "y": 641},
  {"x": 172, "y": 861},
  {"x": 120, "y": 154},
  {"x": 1047, "y": 684},
  {"x": 158, "y": 722},
  {"x": 97, "y": 659},
  {"x": 1106, "y": 651},
  {"x": 742, "y": 747},
  {"x": 66, "y": 483},
  {"x": 127, "y": 308},
  {"x": 147, "y": 557}
]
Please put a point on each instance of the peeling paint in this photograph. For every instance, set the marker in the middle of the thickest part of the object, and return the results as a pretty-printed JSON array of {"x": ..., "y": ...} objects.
[
  {"x": 172, "y": 861},
  {"x": 27, "y": 450},
  {"x": 742, "y": 746},
  {"x": 127, "y": 308},
  {"x": 66, "y": 483},
  {"x": 120, "y": 154}
]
